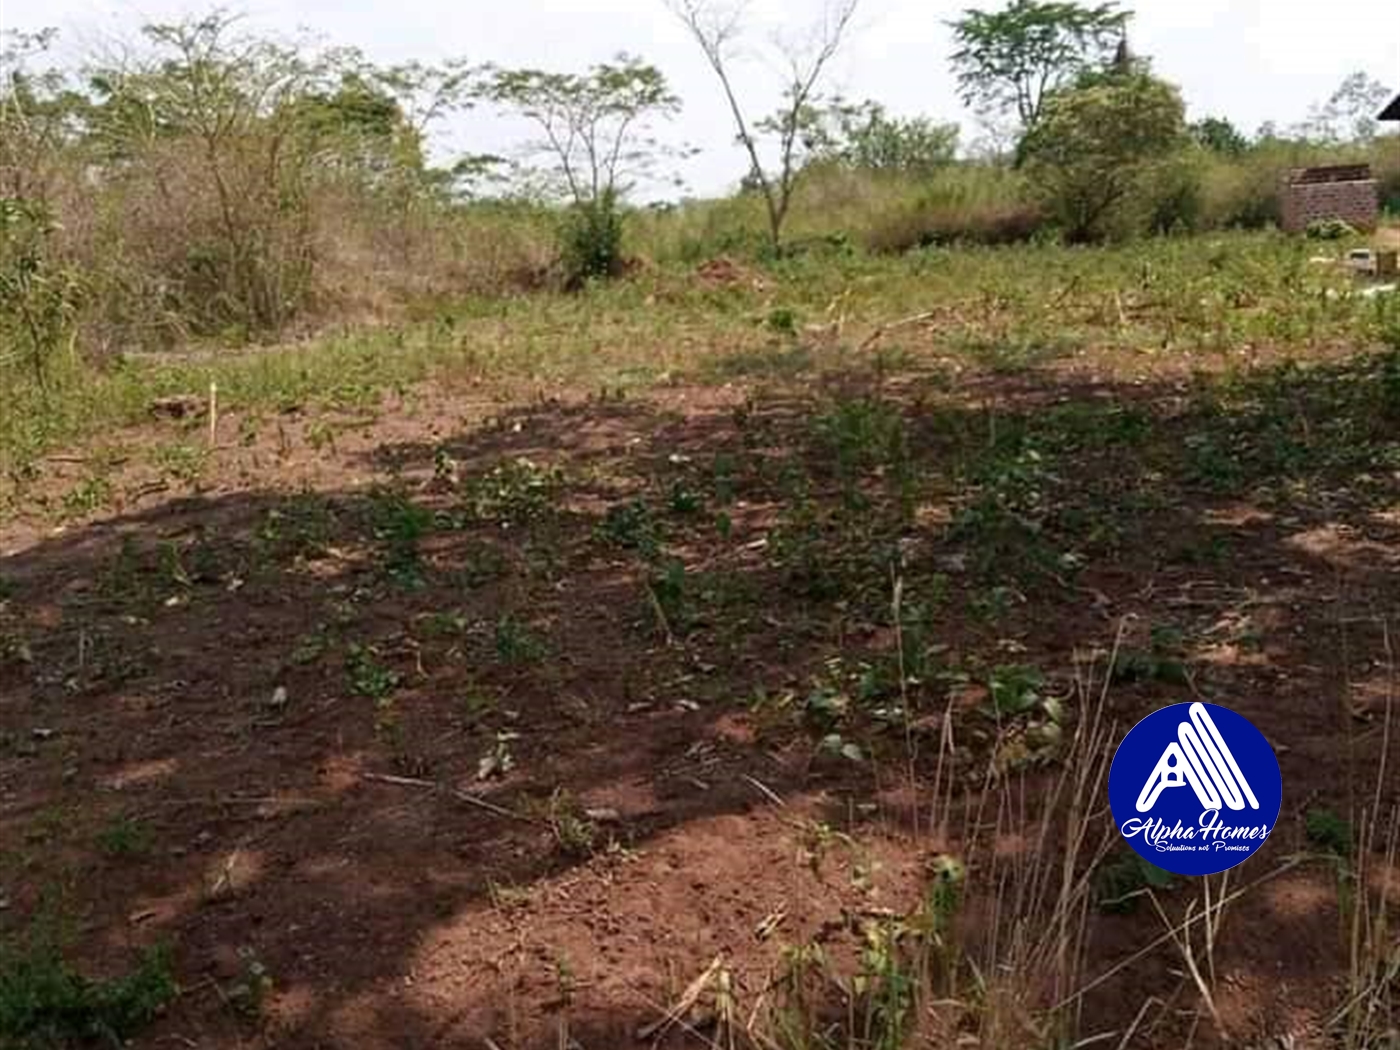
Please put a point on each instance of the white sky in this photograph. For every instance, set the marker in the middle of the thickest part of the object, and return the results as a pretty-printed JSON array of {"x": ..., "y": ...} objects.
[{"x": 1249, "y": 60}]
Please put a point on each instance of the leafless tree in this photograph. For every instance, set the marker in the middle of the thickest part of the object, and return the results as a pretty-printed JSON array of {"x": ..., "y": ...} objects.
[{"x": 717, "y": 26}]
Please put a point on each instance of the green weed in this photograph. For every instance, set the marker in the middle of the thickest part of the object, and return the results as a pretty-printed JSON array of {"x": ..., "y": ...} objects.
[
  {"x": 516, "y": 643},
  {"x": 367, "y": 676},
  {"x": 126, "y": 837},
  {"x": 45, "y": 1004}
]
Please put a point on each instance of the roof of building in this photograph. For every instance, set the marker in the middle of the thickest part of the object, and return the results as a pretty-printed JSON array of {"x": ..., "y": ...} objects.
[{"x": 1392, "y": 111}]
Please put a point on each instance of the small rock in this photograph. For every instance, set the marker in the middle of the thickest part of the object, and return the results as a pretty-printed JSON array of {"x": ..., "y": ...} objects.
[
  {"x": 43, "y": 734},
  {"x": 603, "y": 815},
  {"x": 279, "y": 698}
]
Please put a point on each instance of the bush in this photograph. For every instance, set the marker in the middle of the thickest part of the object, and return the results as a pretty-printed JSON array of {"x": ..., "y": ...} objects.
[
  {"x": 592, "y": 241},
  {"x": 44, "y": 1003},
  {"x": 1330, "y": 230},
  {"x": 969, "y": 206},
  {"x": 1174, "y": 197},
  {"x": 1097, "y": 148}
]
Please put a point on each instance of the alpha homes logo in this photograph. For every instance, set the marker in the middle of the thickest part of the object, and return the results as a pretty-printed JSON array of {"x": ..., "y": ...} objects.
[{"x": 1195, "y": 788}]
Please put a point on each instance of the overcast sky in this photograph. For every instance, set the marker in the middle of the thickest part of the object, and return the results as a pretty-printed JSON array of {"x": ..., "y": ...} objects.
[{"x": 1249, "y": 60}]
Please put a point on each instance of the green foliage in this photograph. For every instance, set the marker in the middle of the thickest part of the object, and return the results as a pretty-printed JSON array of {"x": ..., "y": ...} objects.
[
  {"x": 1328, "y": 832},
  {"x": 38, "y": 299},
  {"x": 1095, "y": 144},
  {"x": 1160, "y": 661},
  {"x": 46, "y": 1005},
  {"x": 595, "y": 143},
  {"x": 517, "y": 643},
  {"x": 514, "y": 491},
  {"x": 793, "y": 131},
  {"x": 1218, "y": 135},
  {"x": 1013, "y": 690},
  {"x": 1122, "y": 881},
  {"x": 865, "y": 137},
  {"x": 1012, "y": 59},
  {"x": 125, "y": 837},
  {"x": 367, "y": 676},
  {"x": 1330, "y": 230},
  {"x": 399, "y": 525},
  {"x": 631, "y": 526},
  {"x": 591, "y": 241}
]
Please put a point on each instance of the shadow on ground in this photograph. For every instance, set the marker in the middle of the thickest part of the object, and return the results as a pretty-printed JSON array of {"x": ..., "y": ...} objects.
[{"x": 520, "y": 737}]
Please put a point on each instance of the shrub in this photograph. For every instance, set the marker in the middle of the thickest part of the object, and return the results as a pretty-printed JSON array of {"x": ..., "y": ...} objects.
[
  {"x": 1097, "y": 146},
  {"x": 592, "y": 241},
  {"x": 44, "y": 1003}
]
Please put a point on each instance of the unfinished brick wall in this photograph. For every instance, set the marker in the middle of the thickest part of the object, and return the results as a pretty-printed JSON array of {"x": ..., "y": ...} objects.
[{"x": 1316, "y": 194}]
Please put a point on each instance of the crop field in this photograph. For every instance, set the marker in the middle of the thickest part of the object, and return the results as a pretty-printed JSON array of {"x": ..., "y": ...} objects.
[{"x": 728, "y": 656}]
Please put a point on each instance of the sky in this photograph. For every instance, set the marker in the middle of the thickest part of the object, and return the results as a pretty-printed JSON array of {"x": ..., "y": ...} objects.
[{"x": 1248, "y": 60}]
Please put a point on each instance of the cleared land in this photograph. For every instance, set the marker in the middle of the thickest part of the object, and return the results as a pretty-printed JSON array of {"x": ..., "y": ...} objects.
[{"x": 726, "y": 655}]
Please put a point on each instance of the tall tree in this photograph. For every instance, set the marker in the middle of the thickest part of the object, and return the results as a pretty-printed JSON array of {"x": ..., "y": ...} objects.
[
  {"x": 794, "y": 129},
  {"x": 1095, "y": 144},
  {"x": 863, "y": 135},
  {"x": 1349, "y": 114},
  {"x": 596, "y": 140},
  {"x": 1009, "y": 61},
  {"x": 1218, "y": 135}
]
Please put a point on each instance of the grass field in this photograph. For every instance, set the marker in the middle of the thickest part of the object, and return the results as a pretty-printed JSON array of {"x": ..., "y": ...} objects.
[{"x": 727, "y": 656}]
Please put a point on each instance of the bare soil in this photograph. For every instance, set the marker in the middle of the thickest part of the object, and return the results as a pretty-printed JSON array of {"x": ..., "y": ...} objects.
[{"x": 184, "y": 662}]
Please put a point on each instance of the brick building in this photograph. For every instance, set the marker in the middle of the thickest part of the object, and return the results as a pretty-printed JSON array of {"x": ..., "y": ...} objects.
[{"x": 1340, "y": 191}]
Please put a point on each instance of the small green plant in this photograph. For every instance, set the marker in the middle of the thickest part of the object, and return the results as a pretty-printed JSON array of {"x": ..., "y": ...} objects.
[
  {"x": 631, "y": 526},
  {"x": 1013, "y": 690},
  {"x": 126, "y": 837},
  {"x": 45, "y": 1004},
  {"x": 513, "y": 492},
  {"x": 516, "y": 643},
  {"x": 860, "y": 434},
  {"x": 668, "y": 588},
  {"x": 310, "y": 647},
  {"x": 683, "y": 500},
  {"x": 249, "y": 992},
  {"x": 1160, "y": 662},
  {"x": 575, "y": 834},
  {"x": 1328, "y": 832},
  {"x": 1121, "y": 881},
  {"x": 783, "y": 320},
  {"x": 88, "y": 496},
  {"x": 300, "y": 527},
  {"x": 399, "y": 527},
  {"x": 182, "y": 463},
  {"x": 367, "y": 676}
]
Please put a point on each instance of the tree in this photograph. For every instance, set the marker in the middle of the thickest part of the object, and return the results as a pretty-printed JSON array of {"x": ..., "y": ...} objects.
[
  {"x": 1218, "y": 135},
  {"x": 1350, "y": 113},
  {"x": 1011, "y": 60},
  {"x": 864, "y": 136},
  {"x": 1095, "y": 144},
  {"x": 40, "y": 114},
  {"x": 596, "y": 142},
  {"x": 794, "y": 129},
  {"x": 233, "y": 135}
]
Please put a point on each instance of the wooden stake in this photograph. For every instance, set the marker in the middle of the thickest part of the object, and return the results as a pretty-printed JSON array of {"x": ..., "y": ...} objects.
[{"x": 213, "y": 414}]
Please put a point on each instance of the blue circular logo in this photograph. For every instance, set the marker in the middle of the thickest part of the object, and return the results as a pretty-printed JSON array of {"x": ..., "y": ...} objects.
[{"x": 1195, "y": 788}]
